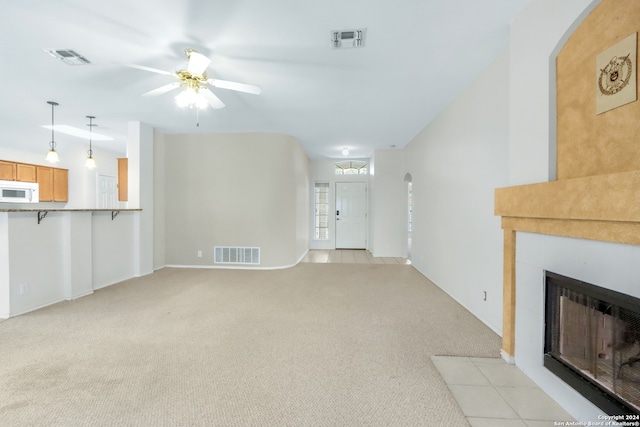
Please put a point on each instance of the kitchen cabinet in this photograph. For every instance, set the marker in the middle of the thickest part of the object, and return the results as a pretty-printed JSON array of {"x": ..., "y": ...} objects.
[
  {"x": 7, "y": 171},
  {"x": 45, "y": 182},
  {"x": 54, "y": 184},
  {"x": 123, "y": 179},
  {"x": 25, "y": 172},
  {"x": 60, "y": 185}
]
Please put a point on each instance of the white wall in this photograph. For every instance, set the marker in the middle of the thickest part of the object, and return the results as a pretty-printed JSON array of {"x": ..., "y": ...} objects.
[
  {"x": 235, "y": 190},
  {"x": 141, "y": 193},
  {"x": 388, "y": 205},
  {"x": 36, "y": 260},
  {"x": 159, "y": 200},
  {"x": 300, "y": 163},
  {"x": 456, "y": 162},
  {"x": 112, "y": 248},
  {"x": 535, "y": 35}
]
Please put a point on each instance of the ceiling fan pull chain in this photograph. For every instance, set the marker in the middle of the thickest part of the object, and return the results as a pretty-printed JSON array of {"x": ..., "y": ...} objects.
[{"x": 197, "y": 116}]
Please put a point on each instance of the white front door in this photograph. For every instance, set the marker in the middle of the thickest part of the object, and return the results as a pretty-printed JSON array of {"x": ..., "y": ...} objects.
[
  {"x": 351, "y": 215},
  {"x": 107, "y": 192}
]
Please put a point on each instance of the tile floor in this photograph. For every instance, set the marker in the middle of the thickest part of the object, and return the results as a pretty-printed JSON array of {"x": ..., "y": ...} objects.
[
  {"x": 350, "y": 256},
  {"x": 492, "y": 393}
]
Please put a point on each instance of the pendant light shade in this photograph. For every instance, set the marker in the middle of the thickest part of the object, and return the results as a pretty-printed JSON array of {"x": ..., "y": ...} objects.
[
  {"x": 90, "y": 163},
  {"x": 52, "y": 155}
]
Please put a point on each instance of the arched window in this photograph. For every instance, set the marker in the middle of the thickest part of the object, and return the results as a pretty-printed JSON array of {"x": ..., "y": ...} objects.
[{"x": 351, "y": 167}]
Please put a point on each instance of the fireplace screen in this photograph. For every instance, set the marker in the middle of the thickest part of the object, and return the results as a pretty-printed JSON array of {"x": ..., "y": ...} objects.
[{"x": 592, "y": 341}]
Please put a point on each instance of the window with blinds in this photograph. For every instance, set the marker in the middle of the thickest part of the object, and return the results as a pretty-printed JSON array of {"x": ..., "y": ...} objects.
[{"x": 321, "y": 210}]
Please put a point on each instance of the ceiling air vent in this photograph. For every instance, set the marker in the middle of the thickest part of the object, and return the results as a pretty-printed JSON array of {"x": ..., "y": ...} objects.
[
  {"x": 347, "y": 38},
  {"x": 68, "y": 56}
]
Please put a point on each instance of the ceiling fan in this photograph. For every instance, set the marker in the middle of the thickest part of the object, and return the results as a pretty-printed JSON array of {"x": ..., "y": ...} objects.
[{"x": 195, "y": 83}]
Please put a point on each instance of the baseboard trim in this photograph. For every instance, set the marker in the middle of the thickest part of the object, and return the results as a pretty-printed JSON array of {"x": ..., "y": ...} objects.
[
  {"x": 511, "y": 360},
  {"x": 37, "y": 307},
  {"x": 83, "y": 294},
  {"x": 106, "y": 285},
  {"x": 238, "y": 267}
]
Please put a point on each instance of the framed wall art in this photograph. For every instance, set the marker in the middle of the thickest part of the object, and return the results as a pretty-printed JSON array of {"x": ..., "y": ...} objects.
[{"x": 616, "y": 75}]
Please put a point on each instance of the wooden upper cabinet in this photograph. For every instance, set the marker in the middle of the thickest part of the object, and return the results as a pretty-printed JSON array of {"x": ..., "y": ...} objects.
[
  {"x": 25, "y": 173},
  {"x": 123, "y": 179},
  {"x": 60, "y": 185},
  {"x": 7, "y": 171},
  {"x": 53, "y": 183},
  {"x": 45, "y": 181}
]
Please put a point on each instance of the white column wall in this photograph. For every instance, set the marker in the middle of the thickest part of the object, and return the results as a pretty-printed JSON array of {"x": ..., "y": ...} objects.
[
  {"x": 5, "y": 284},
  {"x": 388, "y": 206},
  {"x": 159, "y": 200},
  {"x": 141, "y": 192},
  {"x": 113, "y": 256}
]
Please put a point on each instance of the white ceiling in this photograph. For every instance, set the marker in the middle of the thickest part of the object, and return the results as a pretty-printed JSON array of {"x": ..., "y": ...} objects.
[{"x": 418, "y": 55}]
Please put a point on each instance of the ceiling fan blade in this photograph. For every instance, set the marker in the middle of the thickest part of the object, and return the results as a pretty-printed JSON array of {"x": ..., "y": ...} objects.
[
  {"x": 153, "y": 70},
  {"x": 197, "y": 63},
  {"x": 213, "y": 100},
  {"x": 162, "y": 89},
  {"x": 240, "y": 87}
]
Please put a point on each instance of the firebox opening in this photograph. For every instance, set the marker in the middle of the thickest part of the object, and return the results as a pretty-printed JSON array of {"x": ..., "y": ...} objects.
[{"x": 592, "y": 342}]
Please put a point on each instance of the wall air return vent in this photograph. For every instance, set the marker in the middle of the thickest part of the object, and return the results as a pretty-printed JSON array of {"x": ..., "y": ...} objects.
[
  {"x": 341, "y": 39},
  {"x": 236, "y": 255},
  {"x": 68, "y": 56}
]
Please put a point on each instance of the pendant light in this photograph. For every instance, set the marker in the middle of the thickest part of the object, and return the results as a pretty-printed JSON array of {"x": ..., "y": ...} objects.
[
  {"x": 52, "y": 155},
  {"x": 90, "y": 162}
]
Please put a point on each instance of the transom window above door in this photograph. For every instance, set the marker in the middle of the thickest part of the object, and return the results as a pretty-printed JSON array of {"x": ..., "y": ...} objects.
[{"x": 351, "y": 167}]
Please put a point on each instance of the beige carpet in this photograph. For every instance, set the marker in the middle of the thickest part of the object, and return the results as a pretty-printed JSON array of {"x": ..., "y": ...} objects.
[{"x": 313, "y": 345}]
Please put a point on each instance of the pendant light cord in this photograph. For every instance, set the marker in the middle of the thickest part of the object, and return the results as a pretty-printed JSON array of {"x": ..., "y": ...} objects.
[
  {"x": 90, "y": 135},
  {"x": 52, "y": 144}
]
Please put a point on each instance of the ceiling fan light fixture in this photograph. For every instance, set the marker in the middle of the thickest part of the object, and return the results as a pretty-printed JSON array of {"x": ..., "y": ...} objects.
[
  {"x": 191, "y": 98},
  {"x": 345, "y": 151},
  {"x": 198, "y": 63}
]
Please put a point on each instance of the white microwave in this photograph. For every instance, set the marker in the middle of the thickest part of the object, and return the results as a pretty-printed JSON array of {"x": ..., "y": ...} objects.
[{"x": 19, "y": 192}]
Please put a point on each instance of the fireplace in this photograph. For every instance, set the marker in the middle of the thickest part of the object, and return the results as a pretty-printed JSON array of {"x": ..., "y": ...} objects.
[{"x": 592, "y": 342}]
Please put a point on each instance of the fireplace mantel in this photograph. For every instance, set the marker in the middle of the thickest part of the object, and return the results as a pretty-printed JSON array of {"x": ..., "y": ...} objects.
[{"x": 602, "y": 207}]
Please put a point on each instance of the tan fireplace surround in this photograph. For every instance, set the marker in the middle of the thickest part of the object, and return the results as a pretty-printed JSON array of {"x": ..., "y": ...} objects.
[{"x": 597, "y": 192}]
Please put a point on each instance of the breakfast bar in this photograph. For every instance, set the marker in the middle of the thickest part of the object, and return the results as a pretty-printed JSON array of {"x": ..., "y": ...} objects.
[{"x": 52, "y": 255}]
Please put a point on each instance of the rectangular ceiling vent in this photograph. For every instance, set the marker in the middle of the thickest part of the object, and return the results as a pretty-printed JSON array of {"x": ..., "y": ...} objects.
[
  {"x": 68, "y": 56},
  {"x": 347, "y": 38},
  {"x": 236, "y": 255}
]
